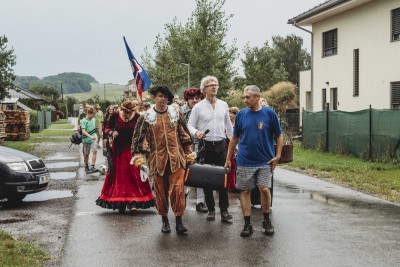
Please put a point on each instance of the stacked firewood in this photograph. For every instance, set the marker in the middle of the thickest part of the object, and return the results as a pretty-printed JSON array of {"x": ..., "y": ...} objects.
[
  {"x": 17, "y": 125},
  {"x": 2, "y": 127}
]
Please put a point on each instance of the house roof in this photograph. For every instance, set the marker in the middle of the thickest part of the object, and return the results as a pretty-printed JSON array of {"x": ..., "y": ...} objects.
[
  {"x": 18, "y": 92},
  {"x": 10, "y": 100},
  {"x": 14, "y": 100},
  {"x": 325, "y": 10}
]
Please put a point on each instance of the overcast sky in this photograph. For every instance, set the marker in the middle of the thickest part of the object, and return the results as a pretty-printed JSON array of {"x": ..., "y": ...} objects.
[{"x": 55, "y": 36}]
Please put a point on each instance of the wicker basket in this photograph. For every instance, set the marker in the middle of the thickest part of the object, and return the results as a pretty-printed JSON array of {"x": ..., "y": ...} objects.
[{"x": 287, "y": 149}]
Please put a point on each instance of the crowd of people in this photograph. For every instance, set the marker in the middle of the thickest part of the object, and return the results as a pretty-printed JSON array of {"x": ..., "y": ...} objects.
[{"x": 149, "y": 147}]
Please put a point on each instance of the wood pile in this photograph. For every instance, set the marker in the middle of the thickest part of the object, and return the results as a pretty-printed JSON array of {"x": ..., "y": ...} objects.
[
  {"x": 2, "y": 127},
  {"x": 17, "y": 125}
]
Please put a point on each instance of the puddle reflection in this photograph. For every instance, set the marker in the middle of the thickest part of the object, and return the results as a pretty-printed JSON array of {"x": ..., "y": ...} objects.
[
  {"x": 47, "y": 195},
  {"x": 60, "y": 156},
  {"x": 56, "y": 165}
]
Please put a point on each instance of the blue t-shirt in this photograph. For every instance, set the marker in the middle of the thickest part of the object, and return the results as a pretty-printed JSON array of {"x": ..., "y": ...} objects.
[{"x": 255, "y": 130}]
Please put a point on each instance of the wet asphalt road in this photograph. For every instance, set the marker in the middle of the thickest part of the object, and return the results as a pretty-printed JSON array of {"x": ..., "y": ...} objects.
[{"x": 316, "y": 224}]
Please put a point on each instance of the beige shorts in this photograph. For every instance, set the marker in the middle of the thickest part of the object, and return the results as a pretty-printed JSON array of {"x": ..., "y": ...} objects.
[{"x": 87, "y": 147}]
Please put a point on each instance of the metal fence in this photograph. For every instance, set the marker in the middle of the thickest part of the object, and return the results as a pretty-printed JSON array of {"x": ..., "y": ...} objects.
[
  {"x": 290, "y": 121},
  {"x": 370, "y": 133},
  {"x": 44, "y": 119}
]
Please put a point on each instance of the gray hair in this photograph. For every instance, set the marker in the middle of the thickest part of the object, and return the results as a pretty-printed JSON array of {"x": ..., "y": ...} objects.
[
  {"x": 206, "y": 80},
  {"x": 252, "y": 89}
]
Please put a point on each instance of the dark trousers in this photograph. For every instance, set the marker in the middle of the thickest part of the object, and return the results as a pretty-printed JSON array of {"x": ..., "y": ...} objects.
[{"x": 214, "y": 153}]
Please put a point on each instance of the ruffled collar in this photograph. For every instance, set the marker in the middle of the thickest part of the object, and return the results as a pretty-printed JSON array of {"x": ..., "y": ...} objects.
[{"x": 151, "y": 116}]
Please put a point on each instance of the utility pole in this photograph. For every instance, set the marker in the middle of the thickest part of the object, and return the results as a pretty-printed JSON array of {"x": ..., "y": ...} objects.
[
  {"x": 104, "y": 92},
  {"x": 188, "y": 78},
  {"x": 62, "y": 94}
]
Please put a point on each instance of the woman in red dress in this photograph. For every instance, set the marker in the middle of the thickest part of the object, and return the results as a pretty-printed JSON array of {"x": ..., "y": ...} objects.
[{"x": 123, "y": 187}]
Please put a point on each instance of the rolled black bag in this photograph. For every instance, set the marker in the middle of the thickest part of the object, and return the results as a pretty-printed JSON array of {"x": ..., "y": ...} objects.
[{"x": 206, "y": 176}]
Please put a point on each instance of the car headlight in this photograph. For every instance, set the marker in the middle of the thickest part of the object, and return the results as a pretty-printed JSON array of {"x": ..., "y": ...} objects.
[{"x": 18, "y": 166}]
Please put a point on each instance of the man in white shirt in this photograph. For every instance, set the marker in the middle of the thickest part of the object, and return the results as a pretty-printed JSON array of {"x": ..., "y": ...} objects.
[{"x": 212, "y": 115}]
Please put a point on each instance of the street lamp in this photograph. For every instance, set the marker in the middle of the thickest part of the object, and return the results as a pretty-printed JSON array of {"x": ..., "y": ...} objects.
[{"x": 187, "y": 65}]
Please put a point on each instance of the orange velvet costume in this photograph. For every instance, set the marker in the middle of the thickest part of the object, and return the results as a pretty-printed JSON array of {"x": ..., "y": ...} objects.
[{"x": 165, "y": 140}]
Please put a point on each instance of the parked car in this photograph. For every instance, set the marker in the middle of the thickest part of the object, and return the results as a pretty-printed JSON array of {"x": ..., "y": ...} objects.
[{"x": 21, "y": 174}]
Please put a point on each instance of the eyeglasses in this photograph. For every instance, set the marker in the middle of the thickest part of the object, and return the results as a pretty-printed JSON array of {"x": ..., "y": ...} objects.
[{"x": 212, "y": 85}]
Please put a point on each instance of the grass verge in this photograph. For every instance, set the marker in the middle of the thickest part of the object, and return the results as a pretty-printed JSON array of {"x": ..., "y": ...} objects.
[
  {"x": 379, "y": 179},
  {"x": 15, "y": 252},
  {"x": 54, "y": 133},
  {"x": 61, "y": 121}
]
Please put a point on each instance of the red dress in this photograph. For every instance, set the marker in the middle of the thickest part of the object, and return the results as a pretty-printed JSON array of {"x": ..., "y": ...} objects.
[{"x": 124, "y": 188}]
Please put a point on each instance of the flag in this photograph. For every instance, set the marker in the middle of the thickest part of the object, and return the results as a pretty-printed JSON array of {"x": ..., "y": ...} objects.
[{"x": 142, "y": 79}]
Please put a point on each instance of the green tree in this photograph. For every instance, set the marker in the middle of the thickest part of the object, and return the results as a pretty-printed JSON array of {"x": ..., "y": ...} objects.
[
  {"x": 261, "y": 67},
  {"x": 200, "y": 43},
  {"x": 70, "y": 103},
  {"x": 48, "y": 93},
  {"x": 282, "y": 96},
  {"x": 7, "y": 61},
  {"x": 289, "y": 51}
]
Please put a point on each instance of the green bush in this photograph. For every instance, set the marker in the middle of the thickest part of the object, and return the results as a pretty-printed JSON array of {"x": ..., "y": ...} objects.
[{"x": 64, "y": 109}]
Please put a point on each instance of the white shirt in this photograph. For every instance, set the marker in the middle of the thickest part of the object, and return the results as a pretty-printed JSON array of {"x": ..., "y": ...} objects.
[{"x": 204, "y": 117}]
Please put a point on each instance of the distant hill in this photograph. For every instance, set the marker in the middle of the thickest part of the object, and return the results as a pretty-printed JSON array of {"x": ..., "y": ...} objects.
[
  {"x": 113, "y": 92},
  {"x": 72, "y": 82}
]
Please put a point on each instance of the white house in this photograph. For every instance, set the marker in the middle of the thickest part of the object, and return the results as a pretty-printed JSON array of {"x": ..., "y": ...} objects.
[{"x": 355, "y": 55}]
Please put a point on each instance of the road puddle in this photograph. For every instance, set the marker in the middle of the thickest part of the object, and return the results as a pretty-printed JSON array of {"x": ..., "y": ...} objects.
[
  {"x": 293, "y": 188},
  {"x": 48, "y": 195},
  {"x": 57, "y": 165},
  {"x": 13, "y": 220},
  {"x": 60, "y": 156},
  {"x": 62, "y": 175}
]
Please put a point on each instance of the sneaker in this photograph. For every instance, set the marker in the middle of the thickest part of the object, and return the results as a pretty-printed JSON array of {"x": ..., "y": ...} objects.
[
  {"x": 211, "y": 215},
  {"x": 201, "y": 208},
  {"x": 256, "y": 206},
  {"x": 247, "y": 230},
  {"x": 87, "y": 169},
  {"x": 93, "y": 169},
  {"x": 225, "y": 216},
  {"x": 268, "y": 227}
]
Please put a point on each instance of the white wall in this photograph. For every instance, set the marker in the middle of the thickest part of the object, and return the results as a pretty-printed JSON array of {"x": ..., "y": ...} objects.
[
  {"x": 304, "y": 87},
  {"x": 367, "y": 28}
]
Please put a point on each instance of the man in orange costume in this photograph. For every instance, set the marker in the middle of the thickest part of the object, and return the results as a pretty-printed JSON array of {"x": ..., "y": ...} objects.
[{"x": 162, "y": 135}]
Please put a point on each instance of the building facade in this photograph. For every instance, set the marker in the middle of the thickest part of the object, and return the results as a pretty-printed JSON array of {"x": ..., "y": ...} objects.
[{"x": 355, "y": 55}]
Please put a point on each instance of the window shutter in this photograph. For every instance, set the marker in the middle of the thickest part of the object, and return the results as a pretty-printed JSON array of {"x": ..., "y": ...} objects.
[
  {"x": 356, "y": 72},
  {"x": 395, "y": 94},
  {"x": 330, "y": 43},
  {"x": 396, "y": 24}
]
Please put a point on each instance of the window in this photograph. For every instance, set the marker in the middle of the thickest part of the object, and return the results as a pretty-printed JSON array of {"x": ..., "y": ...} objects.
[
  {"x": 334, "y": 99},
  {"x": 329, "y": 43},
  {"x": 395, "y": 88},
  {"x": 356, "y": 87},
  {"x": 396, "y": 24},
  {"x": 323, "y": 99}
]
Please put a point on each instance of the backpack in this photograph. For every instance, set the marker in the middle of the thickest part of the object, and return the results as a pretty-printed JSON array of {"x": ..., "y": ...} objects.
[{"x": 76, "y": 138}]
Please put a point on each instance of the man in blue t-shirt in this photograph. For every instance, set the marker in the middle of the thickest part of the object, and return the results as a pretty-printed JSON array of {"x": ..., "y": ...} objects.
[{"x": 255, "y": 129}]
